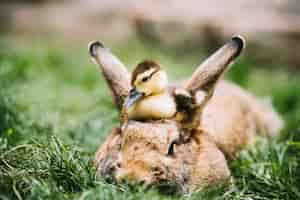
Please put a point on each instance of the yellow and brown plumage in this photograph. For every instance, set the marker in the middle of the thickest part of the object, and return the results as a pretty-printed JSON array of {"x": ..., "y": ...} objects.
[{"x": 149, "y": 97}]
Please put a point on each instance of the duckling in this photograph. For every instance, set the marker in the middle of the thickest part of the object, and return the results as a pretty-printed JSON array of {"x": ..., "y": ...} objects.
[{"x": 149, "y": 97}]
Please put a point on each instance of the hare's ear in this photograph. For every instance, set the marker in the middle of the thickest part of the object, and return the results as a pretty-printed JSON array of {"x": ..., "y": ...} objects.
[
  {"x": 209, "y": 72},
  {"x": 194, "y": 94},
  {"x": 115, "y": 73}
]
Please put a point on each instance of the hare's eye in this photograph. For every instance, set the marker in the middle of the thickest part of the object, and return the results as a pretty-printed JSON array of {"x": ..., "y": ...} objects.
[
  {"x": 155, "y": 169},
  {"x": 171, "y": 149}
]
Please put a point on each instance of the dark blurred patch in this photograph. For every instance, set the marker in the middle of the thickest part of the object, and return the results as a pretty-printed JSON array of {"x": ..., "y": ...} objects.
[
  {"x": 5, "y": 20},
  {"x": 172, "y": 34},
  {"x": 25, "y": 1}
]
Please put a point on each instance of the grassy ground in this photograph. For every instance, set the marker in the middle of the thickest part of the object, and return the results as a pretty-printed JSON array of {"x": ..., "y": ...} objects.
[{"x": 55, "y": 110}]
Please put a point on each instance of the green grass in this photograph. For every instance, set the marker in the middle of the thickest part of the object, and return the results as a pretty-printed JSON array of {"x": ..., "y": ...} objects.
[{"x": 55, "y": 110}]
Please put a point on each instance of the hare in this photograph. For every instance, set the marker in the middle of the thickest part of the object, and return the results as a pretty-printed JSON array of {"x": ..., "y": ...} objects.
[{"x": 214, "y": 119}]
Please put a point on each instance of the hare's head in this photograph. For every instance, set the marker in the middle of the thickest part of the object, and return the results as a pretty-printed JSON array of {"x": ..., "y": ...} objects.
[
  {"x": 146, "y": 151},
  {"x": 164, "y": 150},
  {"x": 151, "y": 153}
]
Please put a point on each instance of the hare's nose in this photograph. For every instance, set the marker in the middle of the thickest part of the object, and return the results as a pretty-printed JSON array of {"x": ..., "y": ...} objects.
[
  {"x": 121, "y": 174},
  {"x": 130, "y": 177}
]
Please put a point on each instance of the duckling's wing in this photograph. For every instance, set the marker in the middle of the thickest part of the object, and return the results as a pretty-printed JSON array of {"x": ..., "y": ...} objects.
[{"x": 183, "y": 99}]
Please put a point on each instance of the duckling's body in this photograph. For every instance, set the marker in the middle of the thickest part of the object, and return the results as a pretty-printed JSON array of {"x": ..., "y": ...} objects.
[
  {"x": 158, "y": 106},
  {"x": 149, "y": 97}
]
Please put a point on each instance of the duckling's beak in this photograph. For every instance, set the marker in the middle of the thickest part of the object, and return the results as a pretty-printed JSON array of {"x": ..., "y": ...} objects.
[{"x": 134, "y": 96}]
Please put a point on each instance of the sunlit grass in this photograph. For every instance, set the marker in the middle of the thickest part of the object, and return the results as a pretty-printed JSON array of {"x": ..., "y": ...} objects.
[{"x": 55, "y": 110}]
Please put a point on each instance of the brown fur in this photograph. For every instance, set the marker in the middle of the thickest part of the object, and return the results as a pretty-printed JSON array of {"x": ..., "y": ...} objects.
[
  {"x": 221, "y": 125},
  {"x": 229, "y": 124}
]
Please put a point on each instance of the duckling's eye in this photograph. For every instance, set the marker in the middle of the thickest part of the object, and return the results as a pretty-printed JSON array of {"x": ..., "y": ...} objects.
[{"x": 145, "y": 79}]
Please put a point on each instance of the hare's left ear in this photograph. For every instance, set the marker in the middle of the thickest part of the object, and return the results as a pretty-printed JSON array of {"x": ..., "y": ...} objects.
[
  {"x": 194, "y": 94},
  {"x": 115, "y": 73}
]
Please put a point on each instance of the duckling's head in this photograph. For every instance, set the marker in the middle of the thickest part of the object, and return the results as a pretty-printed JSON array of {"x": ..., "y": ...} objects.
[{"x": 147, "y": 79}]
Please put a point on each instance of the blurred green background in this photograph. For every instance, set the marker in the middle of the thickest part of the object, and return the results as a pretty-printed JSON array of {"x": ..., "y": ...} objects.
[{"x": 55, "y": 108}]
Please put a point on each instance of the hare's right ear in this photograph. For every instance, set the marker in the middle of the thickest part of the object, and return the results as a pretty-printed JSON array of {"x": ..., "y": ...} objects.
[
  {"x": 209, "y": 72},
  {"x": 115, "y": 73},
  {"x": 200, "y": 87}
]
